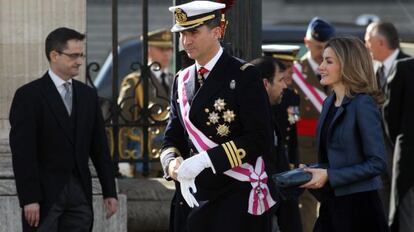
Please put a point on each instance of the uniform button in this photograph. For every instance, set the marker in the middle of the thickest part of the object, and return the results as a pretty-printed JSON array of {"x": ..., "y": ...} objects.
[
  {"x": 287, "y": 137},
  {"x": 181, "y": 203},
  {"x": 210, "y": 136},
  {"x": 288, "y": 129},
  {"x": 286, "y": 146}
]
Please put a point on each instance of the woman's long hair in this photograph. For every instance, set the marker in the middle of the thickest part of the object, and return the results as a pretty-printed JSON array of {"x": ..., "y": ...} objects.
[{"x": 357, "y": 70}]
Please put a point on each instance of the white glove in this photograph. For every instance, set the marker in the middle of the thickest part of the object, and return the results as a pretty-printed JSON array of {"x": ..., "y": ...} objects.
[
  {"x": 191, "y": 167},
  {"x": 185, "y": 186}
]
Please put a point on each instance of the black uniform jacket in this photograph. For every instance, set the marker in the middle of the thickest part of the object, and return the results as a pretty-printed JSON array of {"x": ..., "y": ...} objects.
[
  {"x": 232, "y": 109},
  {"x": 48, "y": 147}
]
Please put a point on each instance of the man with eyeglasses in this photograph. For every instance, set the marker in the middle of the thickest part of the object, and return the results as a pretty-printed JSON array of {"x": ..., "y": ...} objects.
[{"x": 56, "y": 126}]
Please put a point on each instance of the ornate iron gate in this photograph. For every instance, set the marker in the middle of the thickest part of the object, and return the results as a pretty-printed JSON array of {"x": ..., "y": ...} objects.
[{"x": 134, "y": 133}]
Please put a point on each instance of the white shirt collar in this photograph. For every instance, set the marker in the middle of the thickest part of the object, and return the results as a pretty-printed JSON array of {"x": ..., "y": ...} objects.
[
  {"x": 210, "y": 65},
  {"x": 57, "y": 80},
  {"x": 389, "y": 62},
  {"x": 312, "y": 63}
]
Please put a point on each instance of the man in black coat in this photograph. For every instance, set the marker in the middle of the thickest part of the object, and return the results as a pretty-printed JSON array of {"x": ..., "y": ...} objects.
[
  {"x": 398, "y": 115},
  {"x": 56, "y": 126},
  {"x": 382, "y": 39},
  {"x": 220, "y": 126}
]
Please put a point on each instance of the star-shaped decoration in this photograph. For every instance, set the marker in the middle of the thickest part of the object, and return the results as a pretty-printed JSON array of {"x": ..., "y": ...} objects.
[
  {"x": 223, "y": 130},
  {"x": 219, "y": 104},
  {"x": 228, "y": 115},
  {"x": 213, "y": 117}
]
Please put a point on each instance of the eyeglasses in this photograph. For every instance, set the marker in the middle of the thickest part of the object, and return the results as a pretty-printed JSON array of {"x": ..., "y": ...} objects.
[{"x": 74, "y": 56}]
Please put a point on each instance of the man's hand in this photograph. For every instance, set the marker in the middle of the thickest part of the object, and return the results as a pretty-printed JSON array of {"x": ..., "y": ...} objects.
[
  {"x": 191, "y": 167},
  {"x": 111, "y": 206},
  {"x": 32, "y": 214},
  {"x": 185, "y": 186},
  {"x": 173, "y": 167}
]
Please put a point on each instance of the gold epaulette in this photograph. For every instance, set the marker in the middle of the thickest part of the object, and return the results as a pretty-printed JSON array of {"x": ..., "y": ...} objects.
[{"x": 244, "y": 66}]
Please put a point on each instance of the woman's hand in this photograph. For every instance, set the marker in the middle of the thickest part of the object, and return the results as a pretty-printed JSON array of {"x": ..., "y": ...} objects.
[{"x": 319, "y": 178}]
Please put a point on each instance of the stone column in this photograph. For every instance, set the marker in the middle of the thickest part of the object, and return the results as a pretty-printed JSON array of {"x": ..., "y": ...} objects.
[{"x": 24, "y": 26}]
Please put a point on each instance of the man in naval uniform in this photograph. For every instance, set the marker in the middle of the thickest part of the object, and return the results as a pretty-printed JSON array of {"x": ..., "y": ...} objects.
[
  {"x": 306, "y": 83},
  {"x": 131, "y": 99},
  {"x": 218, "y": 140},
  {"x": 285, "y": 114}
]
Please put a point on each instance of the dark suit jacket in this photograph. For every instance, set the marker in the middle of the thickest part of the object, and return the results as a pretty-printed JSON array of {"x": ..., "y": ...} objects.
[
  {"x": 399, "y": 115},
  {"x": 250, "y": 130},
  {"x": 355, "y": 148},
  {"x": 46, "y": 150}
]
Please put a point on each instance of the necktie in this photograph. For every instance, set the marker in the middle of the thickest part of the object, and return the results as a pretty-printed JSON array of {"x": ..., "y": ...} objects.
[
  {"x": 67, "y": 97},
  {"x": 201, "y": 71},
  {"x": 381, "y": 79},
  {"x": 164, "y": 82}
]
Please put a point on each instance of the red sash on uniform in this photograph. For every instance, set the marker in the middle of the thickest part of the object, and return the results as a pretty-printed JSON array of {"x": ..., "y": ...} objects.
[
  {"x": 315, "y": 95},
  {"x": 259, "y": 200}
]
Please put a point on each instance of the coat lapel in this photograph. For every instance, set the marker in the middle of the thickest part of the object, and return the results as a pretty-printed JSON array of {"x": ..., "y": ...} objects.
[
  {"x": 211, "y": 85},
  {"x": 338, "y": 113},
  {"x": 56, "y": 104},
  {"x": 325, "y": 110},
  {"x": 81, "y": 108},
  {"x": 190, "y": 85}
]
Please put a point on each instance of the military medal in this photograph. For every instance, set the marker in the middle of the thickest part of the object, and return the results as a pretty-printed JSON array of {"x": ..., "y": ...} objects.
[
  {"x": 213, "y": 117},
  {"x": 223, "y": 130},
  {"x": 228, "y": 116},
  {"x": 219, "y": 104}
]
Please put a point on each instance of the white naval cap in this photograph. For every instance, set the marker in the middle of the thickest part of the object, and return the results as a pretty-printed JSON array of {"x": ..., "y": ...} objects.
[
  {"x": 194, "y": 14},
  {"x": 281, "y": 51}
]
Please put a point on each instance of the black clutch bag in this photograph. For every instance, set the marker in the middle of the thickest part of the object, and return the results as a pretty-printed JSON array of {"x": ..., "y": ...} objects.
[{"x": 295, "y": 177}]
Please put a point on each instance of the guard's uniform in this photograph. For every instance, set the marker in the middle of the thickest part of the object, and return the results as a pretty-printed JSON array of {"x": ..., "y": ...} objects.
[
  {"x": 232, "y": 109},
  {"x": 131, "y": 102}
]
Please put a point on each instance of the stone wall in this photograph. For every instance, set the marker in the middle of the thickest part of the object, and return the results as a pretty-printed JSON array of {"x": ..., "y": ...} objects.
[{"x": 24, "y": 26}]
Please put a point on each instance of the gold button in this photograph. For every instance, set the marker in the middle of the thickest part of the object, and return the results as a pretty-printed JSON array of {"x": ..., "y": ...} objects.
[{"x": 206, "y": 110}]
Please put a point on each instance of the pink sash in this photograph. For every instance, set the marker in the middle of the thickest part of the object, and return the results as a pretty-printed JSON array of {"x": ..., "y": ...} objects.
[{"x": 259, "y": 200}]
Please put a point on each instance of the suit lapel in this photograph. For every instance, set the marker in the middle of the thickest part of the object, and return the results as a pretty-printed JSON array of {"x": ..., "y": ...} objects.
[
  {"x": 190, "y": 85},
  {"x": 338, "y": 113},
  {"x": 211, "y": 85},
  {"x": 325, "y": 110},
  {"x": 81, "y": 108},
  {"x": 56, "y": 104}
]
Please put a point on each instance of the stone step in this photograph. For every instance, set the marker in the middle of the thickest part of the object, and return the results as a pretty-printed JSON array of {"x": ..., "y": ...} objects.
[{"x": 8, "y": 187}]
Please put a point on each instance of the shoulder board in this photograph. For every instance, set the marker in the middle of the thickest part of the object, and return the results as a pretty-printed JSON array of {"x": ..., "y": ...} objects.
[{"x": 244, "y": 66}]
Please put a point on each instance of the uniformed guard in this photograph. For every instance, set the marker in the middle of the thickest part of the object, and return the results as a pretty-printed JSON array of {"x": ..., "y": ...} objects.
[
  {"x": 218, "y": 140},
  {"x": 286, "y": 114},
  {"x": 306, "y": 82},
  {"x": 131, "y": 99}
]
